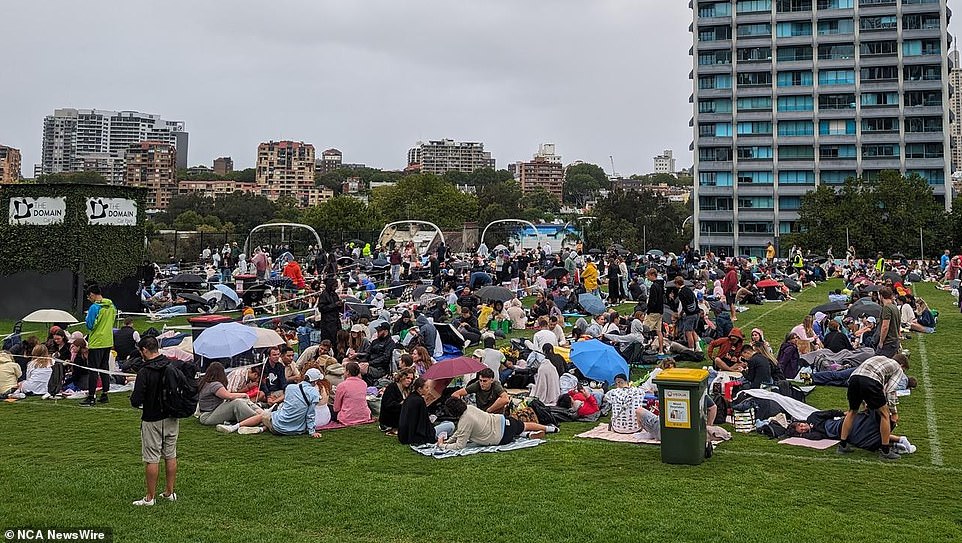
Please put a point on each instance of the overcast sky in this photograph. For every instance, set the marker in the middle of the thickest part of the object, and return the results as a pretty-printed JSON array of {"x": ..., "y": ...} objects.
[{"x": 370, "y": 77}]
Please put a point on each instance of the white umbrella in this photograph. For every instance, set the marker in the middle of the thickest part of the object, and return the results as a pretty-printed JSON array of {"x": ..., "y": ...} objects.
[
  {"x": 225, "y": 340},
  {"x": 267, "y": 338},
  {"x": 50, "y": 315}
]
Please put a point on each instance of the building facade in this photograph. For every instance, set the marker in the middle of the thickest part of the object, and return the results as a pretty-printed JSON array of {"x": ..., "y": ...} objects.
[
  {"x": 152, "y": 165},
  {"x": 955, "y": 107},
  {"x": 442, "y": 156},
  {"x": 331, "y": 159},
  {"x": 665, "y": 162},
  {"x": 214, "y": 188},
  {"x": 223, "y": 165},
  {"x": 10, "y": 169},
  {"x": 286, "y": 168},
  {"x": 96, "y": 140},
  {"x": 791, "y": 94},
  {"x": 543, "y": 171}
]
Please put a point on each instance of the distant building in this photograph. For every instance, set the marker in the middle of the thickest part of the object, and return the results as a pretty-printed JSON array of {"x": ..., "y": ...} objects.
[
  {"x": 671, "y": 193},
  {"x": 543, "y": 171},
  {"x": 665, "y": 162},
  {"x": 200, "y": 169},
  {"x": 286, "y": 168},
  {"x": 955, "y": 107},
  {"x": 9, "y": 164},
  {"x": 441, "y": 156},
  {"x": 77, "y": 140},
  {"x": 223, "y": 165},
  {"x": 152, "y": 165},
  {"x": 330, "y": 160},
  {"x": 214, "y": 188}
]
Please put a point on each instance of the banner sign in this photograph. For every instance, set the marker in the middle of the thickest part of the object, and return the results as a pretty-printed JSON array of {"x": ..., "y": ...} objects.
[
  {"x": 111, "y": 211},
  {"x": 38, "y": 211}
]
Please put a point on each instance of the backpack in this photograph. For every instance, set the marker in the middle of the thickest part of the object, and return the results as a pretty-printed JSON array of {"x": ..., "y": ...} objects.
[
  {"x": 786, "y": 388},
  {"x": 178, "y": 393},
  {"x": 542, "y": 412}
]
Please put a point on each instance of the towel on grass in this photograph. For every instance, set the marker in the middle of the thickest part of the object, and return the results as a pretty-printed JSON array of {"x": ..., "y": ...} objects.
[
  {"x": 433, "y": 450},
  {"x": 818, "y": 445},
  {"x": 717, "y": 434}
]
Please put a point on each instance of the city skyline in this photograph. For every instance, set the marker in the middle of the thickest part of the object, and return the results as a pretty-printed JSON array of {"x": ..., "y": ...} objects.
[{"x": 615, "y": 84}]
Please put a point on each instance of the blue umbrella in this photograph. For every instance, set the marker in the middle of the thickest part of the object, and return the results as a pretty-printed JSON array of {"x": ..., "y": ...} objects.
[
  {"x": 598, "y": 361},
  {"x": 591, "y": 303},
  {"x": 225, "y": 340},
  {"x": 229, "y": 292}
]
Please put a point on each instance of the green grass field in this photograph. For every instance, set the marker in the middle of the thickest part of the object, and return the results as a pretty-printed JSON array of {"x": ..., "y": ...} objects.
[{"x": 66, "y": 466}]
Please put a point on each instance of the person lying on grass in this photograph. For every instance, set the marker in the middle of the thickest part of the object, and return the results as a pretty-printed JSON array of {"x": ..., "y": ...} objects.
[
  {"x": 865, "y": 430},
  {"x": 477, "y": 428},
  {"x": 296, "y": 414}
]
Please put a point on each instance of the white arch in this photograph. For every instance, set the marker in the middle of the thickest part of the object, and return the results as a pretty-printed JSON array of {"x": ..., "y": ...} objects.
[
  {"x": 383, "y": 243},
  {"x": 247, "y": 242},
  {"x": 522, "y": 221}
]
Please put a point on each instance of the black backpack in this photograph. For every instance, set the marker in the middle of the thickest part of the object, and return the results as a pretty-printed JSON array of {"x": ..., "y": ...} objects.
[
  {"x": 179, "y": 390},
  {"x": 542, "y": 412}
]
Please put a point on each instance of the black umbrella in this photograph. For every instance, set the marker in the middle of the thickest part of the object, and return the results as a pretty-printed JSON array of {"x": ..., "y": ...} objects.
[
  {"x": 893, "y": 275},
  {"x": 254, "y": 294},
  {"x": 380, "y": 263},
  {"x": 656, "y": 252},
  {"x": 191, "y": 297},
  {"x": 870, "y": 288},
  {"x": 419, "y": 291},
  {"x": 345, "y": 261},
  {"x": 361, "y": 309},
  {"x": 864, "y": 308},
  {"x": 555, "y": 273},
  {"x": 493, "y": 293},
  {"x": 829, "y": 308},
  {"x": 186, "y": 279},
  {"x": 594, "y": 251},
  {"x": 898, "y": 256}
]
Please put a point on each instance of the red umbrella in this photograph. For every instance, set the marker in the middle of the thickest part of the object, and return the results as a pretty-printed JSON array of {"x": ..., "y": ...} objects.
[
  {"x": 453, "y": 367},
  {"x": 766, "y": 283}
]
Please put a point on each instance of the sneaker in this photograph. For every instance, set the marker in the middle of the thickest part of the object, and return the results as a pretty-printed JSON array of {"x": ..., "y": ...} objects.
[
  {"x": 551, "y": 429},
  {"x": 172, "y": 497},
  {"x": 845, "y": 449},
  {"x": 88, "y": 402},
  {"x": 247, "y": 430},
  {"x": 891, "y": 455},
  {"x": 144, "y": 501},
  {"x": 46, "y": 396},
  {"x": 226, "y": 428},
  {"x": 17, "y": 395},
  {"x": 103, "y": 398}
]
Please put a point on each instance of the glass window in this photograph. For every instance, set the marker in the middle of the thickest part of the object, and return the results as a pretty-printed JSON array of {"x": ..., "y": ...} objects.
[
  {"x": 754, "y": 54},
  {"x": 754, "y": 153},
  {"x": 715, "y": 105},
  {"x": 756, "y": 202},
  {"x": 796, "y": 177},
  {"x": 881, "y": 124},
  {"x": 923, "y": 124},
  {"x": 715, "y": 227},
  {"x": 796, "y": 78},
  {"x": 755, "y": 103},
  {"x": 933, "y": 177},
  {"x": 756, "y": 178},
  {"x": 836, "y": 127},
  {"x": 789, "y": 203},
  {"x": 755, "y": 128},
  {"x": 794, "y": 53},
  {"x": 796, "y": 103},
  {"x": 836, "y": 177},
  {"x": 708, "y": 58},
  {"x": 925, "y": 72},
  {"x": 754, "y": 79},
  {"x": 880, "y": 73},
  {"x": 714, "y": 33},
  {"x": 924, "y": 150},
  {"x": 796, "y": 128},
  {"x": 715, "y": 179},
  {"x": 723, "y": 130},
  {"x": 837, "y": 152},
  {"x": 835, "y": 4},
  {"x": 836, "y": 51},
  {"x": 715, "y": 203},
  {"x": 830, "y": 27},
  {"x": 922, "y": 21},
  {"x": 788, "y": 30},
  {"x": 870, "y": 24},
  {"x": 788, "y": 227},
  {"x": 885, "y": 150},
  {"x": 923, "y": 98},
  {"x": 714, "y": 154},
  {"x": 888, "y": 48},
  {"x": 753, "y": 6},
  {"x": 880, "y": 99},
  {"x": 796, "y": 152},
  {"x": 836, "y": 77},
  {"x": 719, "y": 9},
  {"x": 754, "y": 30},
  {"x": 756, "y": 227},
  {"x": 911, "y": 48},
  {"x": 836, "y": 101},
  {"x": 788, "y": 6}
]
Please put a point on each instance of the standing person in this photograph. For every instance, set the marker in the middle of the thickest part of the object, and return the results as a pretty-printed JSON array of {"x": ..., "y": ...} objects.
[
  {"x": 890, "y": 326},
  {"x": 261, "y": 263},
  {"x": 615, "y": 294},
  {"x": 687, "y": 312},
  {"x": 158, "y": 431},
  {"x": 730, "y": 286},
  {"x": 656, "y": 307},
  {"x": 100, "y": 322},
  {"x": 875, "y": 383},
  {"x": 770, "y": 253},
  {"x": 329, "y": 305}
]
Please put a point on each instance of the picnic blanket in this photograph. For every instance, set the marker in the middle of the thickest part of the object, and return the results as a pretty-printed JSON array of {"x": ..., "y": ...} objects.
[
  {"x": 798, "y": 410},
  {"x": 601, "y": 431},
  {"x": 818, "y": 445},
  {"x": 334, "y": 425},
  {"x": 433, "y": 450}
]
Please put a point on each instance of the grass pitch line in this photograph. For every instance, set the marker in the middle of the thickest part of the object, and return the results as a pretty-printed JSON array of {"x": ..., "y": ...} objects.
[
  {"x": 762, "y": 316},
  {"x": 930, "y": 419}
]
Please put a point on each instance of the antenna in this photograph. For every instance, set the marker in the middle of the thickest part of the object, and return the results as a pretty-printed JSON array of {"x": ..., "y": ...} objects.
[{"x": 612, "y": 159}]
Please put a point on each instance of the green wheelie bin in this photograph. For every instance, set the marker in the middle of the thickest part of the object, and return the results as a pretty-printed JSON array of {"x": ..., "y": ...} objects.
[{"x": 681, "y": 403}]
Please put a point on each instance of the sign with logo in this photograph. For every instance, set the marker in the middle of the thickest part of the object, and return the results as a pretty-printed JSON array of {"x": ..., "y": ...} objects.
[
  {"x": 677, "y": 406},
  {"x": 111, "y": 211},
  {"x": 38, "y": 211}
]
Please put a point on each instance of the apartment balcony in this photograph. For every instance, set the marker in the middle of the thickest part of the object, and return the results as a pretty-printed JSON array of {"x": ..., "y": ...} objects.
[
  {"x": 924, "y": 163},
  {"x": 755, "y": 116},
  {"x": 924, "y": 137}
]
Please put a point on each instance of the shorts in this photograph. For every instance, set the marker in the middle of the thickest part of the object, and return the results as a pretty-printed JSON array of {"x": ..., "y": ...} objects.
[
  {"x": 158, "y": 439},
  {"x": 652, "y": 322},
  {"x": 651, "y": 423},
  {"x": 268, "y": 422},
  {"x": 730, "y": 299},
  {"x": 687, "y": 323},
  {"x": 512, "y": 429},
  {"x": 864, "y": 389}
]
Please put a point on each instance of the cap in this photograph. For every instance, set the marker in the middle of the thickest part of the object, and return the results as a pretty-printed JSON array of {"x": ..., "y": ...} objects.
[
  {"x": 359, "y": 328},
  {"x": 872, "y": 320},
  {"x": 312, "y": 375},
  {"x": 383, "y": 326}
]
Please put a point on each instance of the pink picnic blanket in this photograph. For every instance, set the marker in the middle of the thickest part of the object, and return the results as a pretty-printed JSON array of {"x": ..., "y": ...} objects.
[
  {"x": 602, "y": 432},
  {"x": 334, "y": 425},
  {"x": 819, "y": 445}
]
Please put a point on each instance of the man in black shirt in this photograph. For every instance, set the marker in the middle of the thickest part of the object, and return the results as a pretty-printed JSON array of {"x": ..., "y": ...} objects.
[
  {"x": 656, "y": 306},
  {"x": 687, "y": 312},
  {"x": 379, "y": 355},
  {"x": 835, "y": 340}
]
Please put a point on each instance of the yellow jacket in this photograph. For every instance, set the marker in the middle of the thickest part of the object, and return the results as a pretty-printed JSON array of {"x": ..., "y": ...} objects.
[{"x": 590, "y": 276}]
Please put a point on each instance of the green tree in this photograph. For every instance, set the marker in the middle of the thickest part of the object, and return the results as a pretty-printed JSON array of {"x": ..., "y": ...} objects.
[
  {"x": 286, "y": 209},
  {"x": 188, "y": 220},
  {"x": 593, "y": 170},
  {"x": 425, "y": 197},
  {"x": 247, "y": 175},
  {"x": 639, "y": 220},
  {"x": 244, "y": 210},
  {"x": 333, "y": 180},
  {"x": 93, "y": 178},
  {"x": 342, "y": 213},
  {"x": 540, "y": 200},
  {"x": 580, "y": 188}
]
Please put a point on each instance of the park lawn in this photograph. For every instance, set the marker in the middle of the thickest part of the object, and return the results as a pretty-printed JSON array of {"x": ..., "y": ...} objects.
[{"x": 67, "y": 466}]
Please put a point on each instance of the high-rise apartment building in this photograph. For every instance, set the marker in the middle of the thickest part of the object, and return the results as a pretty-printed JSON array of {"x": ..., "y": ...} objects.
[
  {"x": 223, "y": 165},
  {"x": 330, "y": 160},
  {"x": 442, "y": 156},
  {"x": 95, "y": 140},
  {"x": 955, "y": 107},
  {"x": 286, "y": 168},
  {"x": 9, "y": 164},
  {"x": 152, "y": 165},
  {"x": 790, "y": 94},
  {"x": 543, "y": 171},
  {"x": 665, "y": 162}
]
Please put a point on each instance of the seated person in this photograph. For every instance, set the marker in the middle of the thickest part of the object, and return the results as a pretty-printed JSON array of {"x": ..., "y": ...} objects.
[
  {"x": 540, "y": 307},
  {"x": 37, "y": 375},
  {"x": 479, "y": 428},
  {"x": 837, "y": 296},
  {"x": 758, "y": 367},
  {"x": 490, "y": 356},
  {"x": 595, "y": 329},
  {"x": 725, "y": 352},
  {"x": 865, "y": 432},
  {"x": 414, "y": 422},
  {"x": 580, "y": 399},
  {"x": 322, "y": 412},
  {"x": 547, "y": 385},
  {"x": 624, "y": 401},
  {"x": 488, "y": 393},
  {"x": 467, "y": 325},
  {"x": 651, "y": 423},
  {"x": 515, "y": 310},
  {"x": 378, "y": 358},
  {"x": 216, "y": 404},
  {"x": 290, "y": 368},
  {"x": 392, "y": 398},
  {"x": 350, "y": 398},
  {"x": 788, "y": 357},
  {"x": 295, "y": 416},
  {"x": 835, "y": 340},
  {"x": 556, "y": 324},
  {"x": 274, "y": 377},
  {"x": 10, "y": 372}
]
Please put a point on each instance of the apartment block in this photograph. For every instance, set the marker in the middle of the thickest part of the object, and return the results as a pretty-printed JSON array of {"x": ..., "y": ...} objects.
[
  {"x": 665, "y": 162},
  {"x": 9, "y": 164},
  {"x": 955, "y": 107},
  {"x": 152, "y": 165},
  {"x": 214, "y": 188},
  {"x": 223, "y": 165},
  {"x": 792, "y": 94},
  {"x": 440, "y": 156},
  {"x": 543, "y": 171},
  {"x": 331, "y": 159},
  {"x": 286, "y": 168},
  {"x": 96, "y": 140}
]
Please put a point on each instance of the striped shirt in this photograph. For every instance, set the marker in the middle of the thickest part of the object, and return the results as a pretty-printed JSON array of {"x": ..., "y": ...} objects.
[{"x": 886, "y": 371}]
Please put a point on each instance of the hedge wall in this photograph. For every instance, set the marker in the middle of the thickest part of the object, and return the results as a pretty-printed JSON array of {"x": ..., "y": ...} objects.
[{"x": 107, "y": 253}]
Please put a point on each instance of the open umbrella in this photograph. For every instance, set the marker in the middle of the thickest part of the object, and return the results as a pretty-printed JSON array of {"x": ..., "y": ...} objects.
[
  {"x": 190, "y": 297},
  {"x": 419, "y": 291},
  {"x": 591, "y": 304},
  {"x": 898, "y": 256},
  {"x": 453, "y": 367},
  {"x": 829, "y": 308},
  {"x": 597, "y": 360},
  {"x": 765, "y": 283},
  {"x": 345, "y": 261},
  {"x": 870, "y": 288},
  {"x": 229, "y": 292},
  {"x": 186, "y": 279},
  {"x": 864, "y": 308},
  {"x": 656, "y": 252},
  {"x": 50, "y": 315},
  {"x": 595, "y": 251},
  {"x": 380, "y": 263},
  {"x": 893, "y": 276},
  {"x": 361, "y": 309},
  {"x": 225, "y": 340},
  {"x": 555, "y": 273},
  {"x": 267, "y": 337},
  {"x": 496, "y": 294}
]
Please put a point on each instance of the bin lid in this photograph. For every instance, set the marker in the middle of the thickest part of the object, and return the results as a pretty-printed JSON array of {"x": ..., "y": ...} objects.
[
  {"x": 682, "y": 374},
  {"x": 207, "y": 319}
]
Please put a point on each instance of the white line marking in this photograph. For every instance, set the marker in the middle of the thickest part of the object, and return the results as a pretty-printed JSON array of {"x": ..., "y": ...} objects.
[
  {"x": 930, "y": 417},
  {"x": 762, "y": 316}
]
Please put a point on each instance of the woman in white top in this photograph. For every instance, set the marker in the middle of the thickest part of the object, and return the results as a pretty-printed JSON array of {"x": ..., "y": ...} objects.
[{"x": 38, "y": 372}]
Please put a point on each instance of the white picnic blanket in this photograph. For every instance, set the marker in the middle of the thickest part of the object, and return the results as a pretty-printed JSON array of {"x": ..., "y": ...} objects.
[
  {"x": 798, "y": 410},
  {"x": 433, "y": 450}
]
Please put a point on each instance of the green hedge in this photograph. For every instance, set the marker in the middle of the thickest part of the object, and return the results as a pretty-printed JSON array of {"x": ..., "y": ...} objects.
[{"x": 106, "y": 253}]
